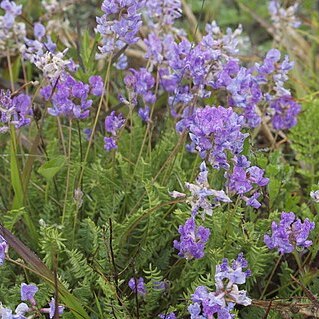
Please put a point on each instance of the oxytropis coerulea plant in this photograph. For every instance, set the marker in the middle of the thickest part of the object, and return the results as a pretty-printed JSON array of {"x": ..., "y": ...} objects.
[{"x": 218, "y": 104}]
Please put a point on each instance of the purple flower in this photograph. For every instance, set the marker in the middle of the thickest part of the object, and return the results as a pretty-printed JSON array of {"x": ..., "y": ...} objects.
[
  {"x": 87, "y": 132},
  {"x": 244, "y": 179},
  {"x": 226, "y": 75},
  {"x": 119, "y": 25},
  {"x": 28, "y": 292},
  {"x": 52, "y": 308},
  {"x": 6, "y": 313},
  {"x": 39, "y": 30},
  {"x": 222, "y": 301},
  {"x": 163, "y": 12},
  {"x": 137, "y": 286},
  {"x": 51, "y": 46},
  {"x": 256, "y": 176},
  {"x": 274, "y": 73},
  {"x": 213, "y": 131},
  {"x": 169, "y": 83},
  {"x": 252, "y": 118},
  {"x": 154, "y": 48},
  {"x": 109, "y": 143},
  {"x": 285, "y": 112},
  {"x": 14, "y": 110},
  {"x": 207, "y": 304},
  {"x": 238, "y": 181},
  {"x": 69, "y": 99},
  {"x": 289, "y": 233},
  {"x": 144, "y": 114},
  {"x": 140, "y": 83},
  {"x": 12, "y": 33},
  {"x": 245, "y": 93},
  {"x": 113, "y": 123},
  {"x": 21, "y": 309},
  {"x": 283, "y": 17},
  {"x": 195, "y": 310},
  {"x": 252, "y": 200},
  {"x": 170, "y": 315},
  {"x": 97, "y": 85},
  {"x": 3, "y": 250},
  {"x": 269, "y": 64},
  {"x": 233, "y": 273},
  {"x": 11, "y": 7},
  {"x": 11, "y": 12},
  {"x": 192, "y": 240},
  {"x": 241, "y": 180}
]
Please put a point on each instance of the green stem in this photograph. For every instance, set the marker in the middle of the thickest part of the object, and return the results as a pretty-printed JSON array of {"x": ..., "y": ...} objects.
[
  {"x": 298, "y": 260},
  {"x": 68, "y": 172}
]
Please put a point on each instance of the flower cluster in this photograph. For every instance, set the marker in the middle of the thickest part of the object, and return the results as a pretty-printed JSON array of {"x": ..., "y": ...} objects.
[
  {"x": 249, "y": 88},
  {"x": 282, "y": 109},
  {"x": 289, "y": 233},
  {"x": 213, "y": 131},
  {"x": 159, "y": 13},
  {"x": 192, "y": 240},
  {"x": 118, "y": 25},
  {"x": 44, "y": 56},
  {"x": 54, "y": 13},
  {"x": 69, "y": 97},
  {"x": 14, "y": 110},
  {"x": 185, "y": 69},
  {"x": 140, "y": 84},
  {"x": 244, "y": 178},
  {"x": 97, "y": 85},
  {"x": 12, "y": 33},
  {"x": 274, "y": 73},
  {"x": 28, "y": 294},
  {"x": 192, "y": 237},
  {"x": 220, "y": 302},
  {"x": 283, "y": 17},
  {"x": 285, "y": 111},
  {"x": 200, "y": 193},
  {"x": 113, "y": 123},
  {"x": 11, "y": 12},
  {"x": 243, "y": 89}
]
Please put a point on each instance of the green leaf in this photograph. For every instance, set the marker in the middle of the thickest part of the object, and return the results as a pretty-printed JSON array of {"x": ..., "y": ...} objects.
[
  {"x": 15, "y": 175},
  {"x": 49, "y": 169},
  {"x": 11, "y": 217},
  {"x": 40, "y": 269}
]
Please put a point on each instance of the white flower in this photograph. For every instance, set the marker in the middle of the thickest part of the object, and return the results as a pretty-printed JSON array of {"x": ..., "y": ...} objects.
[{"x": 315, "y": 195}]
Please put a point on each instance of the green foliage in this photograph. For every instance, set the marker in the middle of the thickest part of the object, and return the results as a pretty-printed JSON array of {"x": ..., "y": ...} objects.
[
  {"x": 49, "y": 169},
  {"x": 305, "y": 141}
]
